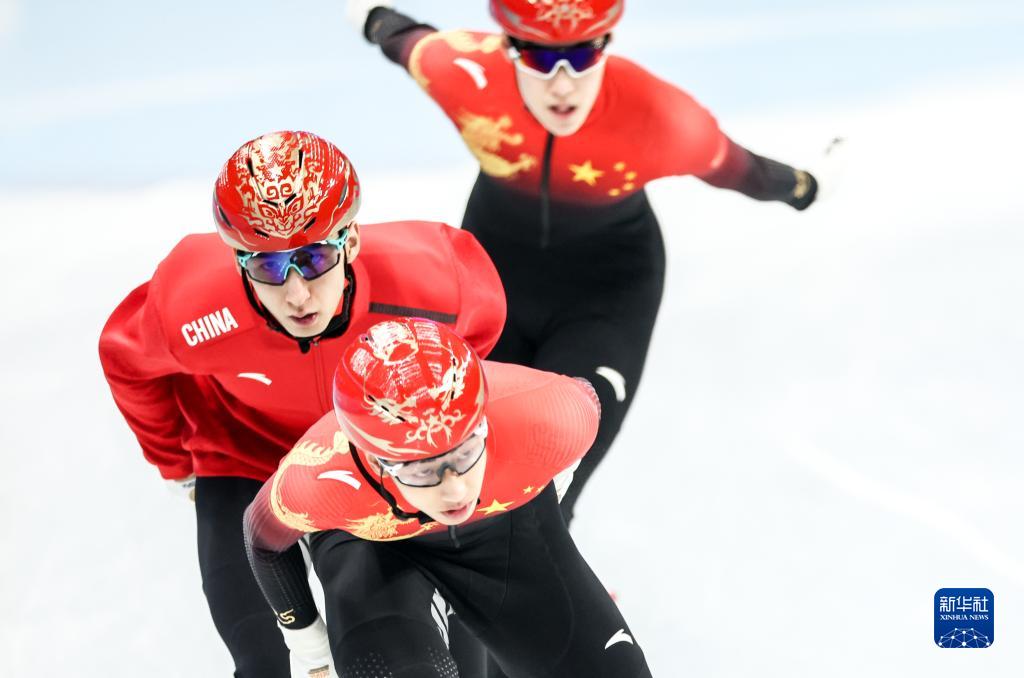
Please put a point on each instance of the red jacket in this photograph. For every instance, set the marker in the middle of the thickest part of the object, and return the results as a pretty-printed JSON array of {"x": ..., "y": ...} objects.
[
  {"x": 640, "y": 129},
  {"x": 539, "y": 424},
  {"x": 208, "y": 388}
]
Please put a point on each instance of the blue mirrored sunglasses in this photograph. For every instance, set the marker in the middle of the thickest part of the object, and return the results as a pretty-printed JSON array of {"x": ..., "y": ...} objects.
[
  {"x": 310, "y": 261},
  {"x": 545, "y": 60}
]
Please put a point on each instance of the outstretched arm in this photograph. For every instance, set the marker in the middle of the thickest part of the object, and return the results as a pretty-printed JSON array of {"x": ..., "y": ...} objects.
[
  {"x": 762, "y": 178},
  {"x": 394, "y": 32},
  {"x": 693, "y": 143}
]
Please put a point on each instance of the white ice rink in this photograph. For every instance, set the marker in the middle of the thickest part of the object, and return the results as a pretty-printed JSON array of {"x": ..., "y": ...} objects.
[{"x": 828, "y": 431}]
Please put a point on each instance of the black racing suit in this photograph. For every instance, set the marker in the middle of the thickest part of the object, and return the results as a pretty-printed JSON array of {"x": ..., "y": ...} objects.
[
  {"x": 583, "y": 282},
  {"x": 240, "y": 613},
  {"x": 583, "y": 304},
  {"x": 515, "y": 580}
]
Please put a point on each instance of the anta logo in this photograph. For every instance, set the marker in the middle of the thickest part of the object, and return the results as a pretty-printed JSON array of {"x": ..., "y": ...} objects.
[{"x": 208, "y": 327}]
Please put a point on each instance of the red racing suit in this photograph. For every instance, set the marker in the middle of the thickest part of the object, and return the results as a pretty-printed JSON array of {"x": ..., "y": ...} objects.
[
  {"x": 641, "y": 128},
  {"x": 539, "y": 424},
  {"x": 209, "y": 387}
]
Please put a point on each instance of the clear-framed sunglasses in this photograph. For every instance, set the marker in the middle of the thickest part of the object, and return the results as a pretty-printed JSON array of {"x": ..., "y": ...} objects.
[{"x": 430, "y": 472}]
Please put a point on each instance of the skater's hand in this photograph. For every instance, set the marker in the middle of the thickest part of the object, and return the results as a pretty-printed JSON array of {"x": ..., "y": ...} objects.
[
  {"x": 806, "y": 191},
  {"x": 183, "y": 487},
  {"x": 830, "y": 167},
  {"x": 310, "y": 651},
  {"x": 357, "y": 11}
]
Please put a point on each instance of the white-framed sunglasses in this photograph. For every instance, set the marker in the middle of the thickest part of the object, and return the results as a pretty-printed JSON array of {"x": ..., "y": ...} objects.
[{"x": 543, "y": 61}]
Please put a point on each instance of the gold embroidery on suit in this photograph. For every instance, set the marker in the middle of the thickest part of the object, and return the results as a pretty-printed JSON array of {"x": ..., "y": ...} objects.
[
  {"x": 460, "y": 41},
  {"x": 484, "y": 136},
  {"x": 305, "y": 453}
]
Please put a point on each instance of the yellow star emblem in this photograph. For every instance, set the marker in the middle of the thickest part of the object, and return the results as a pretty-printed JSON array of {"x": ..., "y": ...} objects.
[
  {"x": 586, "y": 172},
  {"x": 495, "y": 507},
  {"x": 528, "y": 490}
]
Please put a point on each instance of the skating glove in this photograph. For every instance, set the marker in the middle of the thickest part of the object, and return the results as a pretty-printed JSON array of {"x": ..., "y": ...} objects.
[
  {"x": 822, "y": 177},
  {"x": 805, "y": 191},
  {"x": 183, "y": 487},
  {"x": 310, "y": 651}
]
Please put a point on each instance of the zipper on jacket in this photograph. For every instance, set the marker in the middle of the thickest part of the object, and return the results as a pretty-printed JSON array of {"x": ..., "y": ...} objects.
[
  {"x": 545, "y": 193},
  {"x": 318, "y": 367},
  {"x": 454, "y": 537}
]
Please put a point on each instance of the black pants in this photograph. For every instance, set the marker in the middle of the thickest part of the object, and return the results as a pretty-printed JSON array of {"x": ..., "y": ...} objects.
[
  {"x": 240, "y": 613},
  {"x": 517, "y": 582},
  {"x": 582, "y": 305},
  {"x": 243, "y": 619}
]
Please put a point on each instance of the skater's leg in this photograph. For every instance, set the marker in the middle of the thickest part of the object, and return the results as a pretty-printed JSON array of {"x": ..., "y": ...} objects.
[
  {"x": 240, "y": 613},
  {"x": 533, "y": 600},
  {"x": 610, "y": 354},
  {"x": 384, "y": 617}
]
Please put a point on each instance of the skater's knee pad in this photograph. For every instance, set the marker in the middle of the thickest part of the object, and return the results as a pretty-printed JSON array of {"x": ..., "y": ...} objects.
[{"x": 393, "y": 647}]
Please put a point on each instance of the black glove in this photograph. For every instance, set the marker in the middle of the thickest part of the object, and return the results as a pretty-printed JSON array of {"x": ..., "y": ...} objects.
[
  {"x": 805, "y": 191},
  {"x": 384, "y": 22}
]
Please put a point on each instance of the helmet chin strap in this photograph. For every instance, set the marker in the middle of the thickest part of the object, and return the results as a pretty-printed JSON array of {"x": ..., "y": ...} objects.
[
  {"x": 336, "y": 327},
  {"x": 383, "y": 491}
]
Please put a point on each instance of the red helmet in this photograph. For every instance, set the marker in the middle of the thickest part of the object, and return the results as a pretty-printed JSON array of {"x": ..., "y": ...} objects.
[
  {"x": 409, "y": 389},
  {"x": 284, "y": 190},
  {"x": 557, "y": 22}
]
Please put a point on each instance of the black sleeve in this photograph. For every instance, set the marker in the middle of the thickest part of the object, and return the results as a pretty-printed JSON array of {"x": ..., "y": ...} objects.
[
  {"x": 394, "y": 32},
  {"x": 276, "y": 562},
  {"x": 763, "y": 179}
]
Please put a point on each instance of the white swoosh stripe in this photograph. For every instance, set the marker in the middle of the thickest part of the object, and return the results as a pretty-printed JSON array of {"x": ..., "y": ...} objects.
[
  {"x": 475, "y": 70},
  {"x": 341, "y": 476},
  {"x": 256, "y": 376},
  {"x": 616, "y": 379},
  {"x": 620, "y": 637},
  {"x": 437, "y": 606}
]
